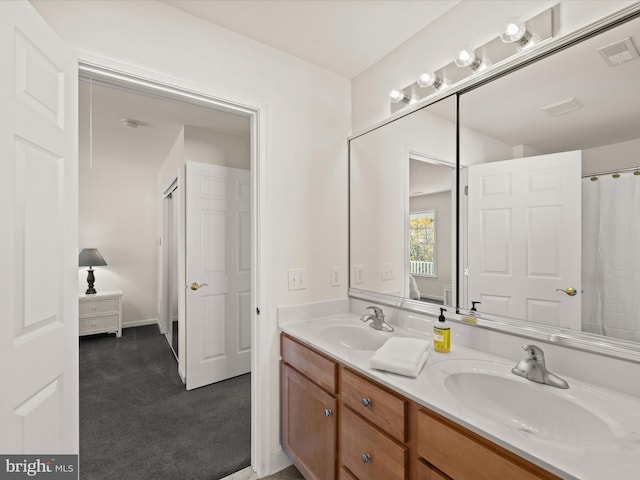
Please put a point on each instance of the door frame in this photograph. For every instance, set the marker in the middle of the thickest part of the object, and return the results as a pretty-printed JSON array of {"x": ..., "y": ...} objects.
[
  {"x": 137, "y": 78},
  {"x": 166, "y": 259}
]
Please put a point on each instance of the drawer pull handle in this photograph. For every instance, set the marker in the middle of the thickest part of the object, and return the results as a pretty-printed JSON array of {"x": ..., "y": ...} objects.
[
  {"x": 365, "y": 457},
  {"x": 327, "y": 412},
  {"x": 366, "y": 402}
]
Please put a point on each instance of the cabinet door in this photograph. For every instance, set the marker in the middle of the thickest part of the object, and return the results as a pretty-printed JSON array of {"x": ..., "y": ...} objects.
[{"x": 309, "y": 428}]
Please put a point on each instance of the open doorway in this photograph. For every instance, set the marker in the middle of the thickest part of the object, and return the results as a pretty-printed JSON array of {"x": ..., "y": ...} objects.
[{"x": 126, "y": 183}]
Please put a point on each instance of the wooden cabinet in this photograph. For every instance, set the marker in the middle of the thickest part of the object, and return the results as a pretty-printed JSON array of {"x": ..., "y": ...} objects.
[
  {"x": 462, "y": 454},
  {"x": 382, "y": 435},
  {"x": 309, "y": 412},
  {"x": 369, "y": 453},
  {"x": 424, "y": 471},
  {"x": 379, "y": 406},
  {"x": 101, "y": 313}
]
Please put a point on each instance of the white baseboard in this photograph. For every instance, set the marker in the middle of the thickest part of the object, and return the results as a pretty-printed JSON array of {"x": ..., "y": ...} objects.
[
  {"x": 141, "y": 323},
  {"x": 279, "y": 461},
  {"x": 181, "y": 374}
]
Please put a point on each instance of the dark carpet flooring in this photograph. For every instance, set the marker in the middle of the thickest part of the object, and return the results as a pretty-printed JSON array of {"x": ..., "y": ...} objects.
[{"x": 138, "y": 422}]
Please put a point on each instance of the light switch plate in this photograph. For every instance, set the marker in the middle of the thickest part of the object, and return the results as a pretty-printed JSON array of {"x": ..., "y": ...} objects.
[{"x": 297, "y": 278}]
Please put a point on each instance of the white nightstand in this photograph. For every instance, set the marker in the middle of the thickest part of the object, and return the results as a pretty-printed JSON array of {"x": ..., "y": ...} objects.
[{"x": 101, "y": 313}]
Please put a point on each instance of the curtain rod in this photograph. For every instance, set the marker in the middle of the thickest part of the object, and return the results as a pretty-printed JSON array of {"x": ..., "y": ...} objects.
[{"x": 622, "y": 170}]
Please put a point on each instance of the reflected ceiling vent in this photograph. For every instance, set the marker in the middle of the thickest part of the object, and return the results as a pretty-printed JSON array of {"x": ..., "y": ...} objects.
[
  {"x": 565, "y": 106},
  {"x": 619, "y": 52}
]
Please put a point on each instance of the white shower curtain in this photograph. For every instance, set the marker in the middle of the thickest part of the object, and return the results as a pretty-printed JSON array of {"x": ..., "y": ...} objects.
[{"x": 611, "y": 256}]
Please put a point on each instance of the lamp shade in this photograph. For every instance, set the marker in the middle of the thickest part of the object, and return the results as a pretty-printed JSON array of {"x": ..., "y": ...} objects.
[{"x": 90, "y": 257}]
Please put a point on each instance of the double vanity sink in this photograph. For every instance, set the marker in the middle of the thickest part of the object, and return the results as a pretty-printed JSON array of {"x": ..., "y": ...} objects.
[{"x": 580, "y": 432}]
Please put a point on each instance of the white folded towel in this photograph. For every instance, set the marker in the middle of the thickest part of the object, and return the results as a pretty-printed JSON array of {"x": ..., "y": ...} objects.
[{"x": 402, "y": 355}]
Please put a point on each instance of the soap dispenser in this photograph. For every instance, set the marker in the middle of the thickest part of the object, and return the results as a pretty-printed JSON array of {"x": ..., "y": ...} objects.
[{"x": 442, "y": 334}]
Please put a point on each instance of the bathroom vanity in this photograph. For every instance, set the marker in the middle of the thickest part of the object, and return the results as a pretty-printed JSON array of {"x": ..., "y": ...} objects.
[
  {"x": 381, "y": 434},
  {"x": 343, "y": 420}
]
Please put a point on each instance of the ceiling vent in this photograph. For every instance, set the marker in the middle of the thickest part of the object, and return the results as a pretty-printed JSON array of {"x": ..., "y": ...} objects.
[
  {"x": 565, "y": 106},
  {"x": 619, "y": 52}
]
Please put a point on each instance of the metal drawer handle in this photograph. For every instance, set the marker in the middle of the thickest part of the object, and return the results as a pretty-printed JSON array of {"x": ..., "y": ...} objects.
[
  {"x": 365, "y": 457},
  {"x": 366, "y": 402},
  {"x": 327, "y": 412}
]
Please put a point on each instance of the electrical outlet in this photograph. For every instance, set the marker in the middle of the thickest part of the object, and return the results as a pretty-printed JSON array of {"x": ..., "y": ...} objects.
[
  {"x": 336, "y": 276},
  {"x": 297, "y": 278},
  {"x": 358, "y": 272},
  {"x": 387, "y": 271}
]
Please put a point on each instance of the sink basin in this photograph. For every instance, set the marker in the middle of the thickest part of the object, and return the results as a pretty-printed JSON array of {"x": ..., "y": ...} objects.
[
  {"x": 490, "y": 390},
  {"x": 355, "y": 337}
]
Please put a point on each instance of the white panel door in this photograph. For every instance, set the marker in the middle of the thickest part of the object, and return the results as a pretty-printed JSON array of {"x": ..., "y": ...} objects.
[
  {"x": 38, "y": 246},
  {"x": 218, "y": 325},
  {"x": 524, "y": 238}
]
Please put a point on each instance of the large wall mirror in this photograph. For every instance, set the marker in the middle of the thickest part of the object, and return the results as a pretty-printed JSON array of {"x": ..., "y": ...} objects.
[
  {"x": 550, "y": 224},
  {"x": 402, "y": 206},
  {"x": 547, "y": 214}
]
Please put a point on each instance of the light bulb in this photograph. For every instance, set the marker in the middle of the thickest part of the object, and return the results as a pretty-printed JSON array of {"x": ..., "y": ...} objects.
[
  {"x": 465, "y": 57},
  {"x": 398, "y": 95},
  {"x": 431, "y": 80},
  {"x": 513, "y": 30}
]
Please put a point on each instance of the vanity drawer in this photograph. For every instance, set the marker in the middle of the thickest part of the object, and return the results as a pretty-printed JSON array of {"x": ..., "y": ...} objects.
[
  {"x": 374, "y": 403},
  {"x": 462, "y": 454},
  {"x": 367, "y": 452},
  {"x": 311, "y": 364},
  {"x": 346, "y": 474},
  {"x": 424, "y": 471}
]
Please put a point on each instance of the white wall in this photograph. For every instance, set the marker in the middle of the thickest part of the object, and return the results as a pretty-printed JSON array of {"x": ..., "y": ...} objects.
[
  {"x": 117, "y": 216},
  {"x": 469, "y": 22},
  {"x": 308, "y": 120},
  {"x": 217, "y": 148}
]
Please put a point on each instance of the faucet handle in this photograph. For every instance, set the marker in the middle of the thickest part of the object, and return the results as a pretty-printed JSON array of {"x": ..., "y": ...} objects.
[
  {"x": 534, "y": 352},
  {"x": 376, "y": 310}
]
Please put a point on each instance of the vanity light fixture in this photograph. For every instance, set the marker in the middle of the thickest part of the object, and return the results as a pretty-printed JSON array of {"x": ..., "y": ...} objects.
[
  {"x": 397, "y": 95},
  {"x": 466, "y": 57},
  {"x": 515, "y": 31},
  {"x": 431, "y": 80}
]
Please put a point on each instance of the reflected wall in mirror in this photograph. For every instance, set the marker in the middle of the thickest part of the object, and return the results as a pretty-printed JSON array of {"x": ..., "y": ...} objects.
[
  {"x": 402, "y": 206},
  {"x": 550, "y": 227}
]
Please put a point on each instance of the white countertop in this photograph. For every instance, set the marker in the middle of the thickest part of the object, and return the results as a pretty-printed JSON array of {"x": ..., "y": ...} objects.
[{"x": 615, "y": 458}]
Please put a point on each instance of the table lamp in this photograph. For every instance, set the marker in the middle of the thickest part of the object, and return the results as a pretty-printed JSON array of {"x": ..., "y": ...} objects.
[{"x": 90, "y": 257}]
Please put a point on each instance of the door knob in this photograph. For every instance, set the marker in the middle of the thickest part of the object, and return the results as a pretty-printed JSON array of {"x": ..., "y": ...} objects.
[
  {"x": 196, "y": 285},
  {"x": 569, "y": 291},
  {"x": 327, "y": 412}
]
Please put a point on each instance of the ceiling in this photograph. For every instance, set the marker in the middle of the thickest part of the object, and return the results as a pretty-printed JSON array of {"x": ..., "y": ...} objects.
[
  {"x": 510, "y": 108},
  {"x": 344, "y": 36},
  {"x": 160, "y": 120}
]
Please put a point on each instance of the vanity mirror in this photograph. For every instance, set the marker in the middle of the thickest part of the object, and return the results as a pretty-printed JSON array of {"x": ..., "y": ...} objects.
[
  {"x": 550, "y": 224},
  {"x": 544, "y": 123},
  {"x": 402, "y": 206}
]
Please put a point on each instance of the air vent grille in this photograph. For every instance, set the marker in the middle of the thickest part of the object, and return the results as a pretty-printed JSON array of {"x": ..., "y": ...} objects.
[
  {"x": 565, "y": 106},
  {"x": 619, "y": 52}
]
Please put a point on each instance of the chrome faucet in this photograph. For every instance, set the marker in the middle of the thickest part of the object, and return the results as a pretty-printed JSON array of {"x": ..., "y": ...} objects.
[
  {"x": 378, "y": 319},
  {"x": 533, "y": 368}
]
